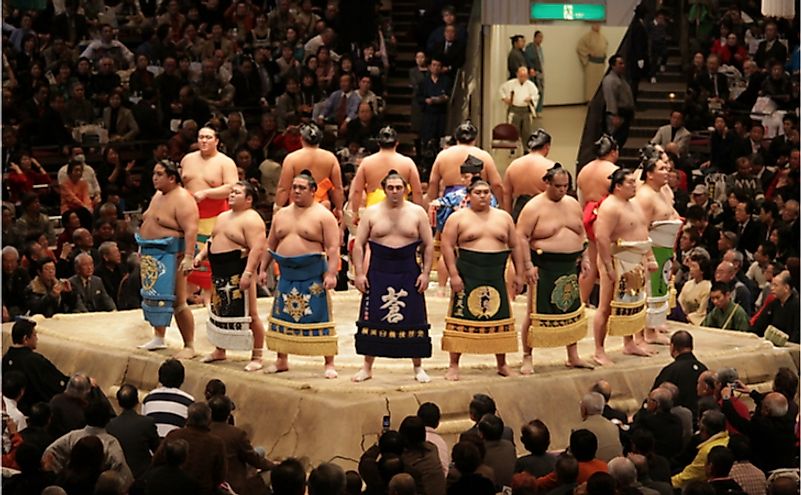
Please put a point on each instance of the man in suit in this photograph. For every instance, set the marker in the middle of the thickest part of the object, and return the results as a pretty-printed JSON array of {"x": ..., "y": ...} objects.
[
  {"x": 608, "y": 435},
  {"x": 747, "y": 228},
  {"x": 712, "y": 82},
  {"x": 536, "y": 61},
  {"x": 342, "y": 106},
  {"x": 451, "y": 51},
  {"x": 665, "y": 426},
  {"x": 605, "y": 389},
  {"x": 109, "y": 269},
  {"x": 771, "y": 48},
  {"x": 675, "y": 132},
  {"x": 92, "y": 295},
  {"x": 500, "y": 454},
  {"x": 238, "y": 450},
  {"x": 136, "y": 433},
  {"x": 755, "y": 77}
]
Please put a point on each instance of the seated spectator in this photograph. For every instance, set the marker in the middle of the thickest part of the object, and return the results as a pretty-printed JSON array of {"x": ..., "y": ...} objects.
[
  {"x": 75, "y": 190},
  {"x": 43, "y": 379},
  {"x": 118, "y": 120},
  {"x": 60, "y": 456},
  {"x": 364, "y": 129},
  {"x": 211, "y": 89},
  {"x": 726, "y": 273},
  {"x": 643, "y": 444},
  {"x": 33, "y": 220},
  {"x": 698, "y": 218},
  {"x": 733, "y": 53},
  {"x": 13, "y": 390},
  {"x": 450, "y": 50},
  {"x": 624, "y": 473},
  {"x": 109, "y": 270},
  {"x": 247, "y": 85},
  {"x": 467, "y": 458},
  {"x": 480, "y": 405},
  {"x": 128, "y": 295},
  {"x": 288, "y": 478},
  {"x": 82, "y": 465},
  {"x": 726, "y": 314},
  {"x": 711, "y": 85},
  {"x": 664, "y": 425},
  {"x": 771, "y": 49},
  {"x": 429, "y": 413},
  {"x": 235, "y": 135},
  {"x": 368, "y": 96},
  {"x": 743, "y": 180},
  {"x": 500, "y": 453},
  {"x": 168, "y": 404},
  {"x": 206, "y": 460},
  {"x": 238, "y": 450},
  {"x": 31, "y": 478},
  {"x": 644, "y": 476},
  {"x": 614, "y": 415},
  {"x": 92, "y": 295},
  {"x": 382, "y": 461},
  {"x": 341, "y": 107},
  {"x": 107, "y": 46},
  {"x": 104, "y": 82},
  {"x": 168, "y": 477},
  {"x": 183, "y": 141},
  {"x": 782, "y": 312},
  {"x": 606, "y": 433},
  {"x": 785, "y": 142},
  {"x": 583, "y": 445},
  {"x": 778, "y": 87},
  {"x": 718, "y": 465},
  {"x": 25, "y": 175},
  {"x": 567, "y": 471},
  {"x": 136, "y": 433},
  {"x": 15, "y": 279},
  {"x": 46, "y": 295},
  {"x": 68, "y": 408},
  {"x": 421, "y": 456},
  {"x": 713, "y": 432},
  {"x": 36, "y": 433},
  {"x": 694, "y": 295},
  {"x": 536, "y": 438},
  {"x": 749, "y": 477},
  {"x": 674, "y": 132},
  {"x": 327, "y": 479}
]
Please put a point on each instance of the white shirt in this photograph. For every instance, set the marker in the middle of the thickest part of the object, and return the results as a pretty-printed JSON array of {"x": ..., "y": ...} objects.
[
  {"x": 10, "y": 406},
  {"x": 519, "y": 92}
]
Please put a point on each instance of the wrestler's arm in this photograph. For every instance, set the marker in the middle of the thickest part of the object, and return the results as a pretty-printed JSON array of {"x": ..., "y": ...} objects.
[
  {"x": 187, "y": 216},
  {"x": 526, "y": 223},
  {"x": 576, "y": 211},
  {"x": 356, "y": 192},
  {"x": 256, "y": 242},
  {"x": 508, "y": 191},
  {"x": 517, "y": 254},
  {"x": 603, "y": 227},
  {"x": 271, "y": 245},
  {"x": 450, "y": 235},
  {"x": 282, "y": 190},
  {"x": 331, "y": 242},
  {"x": 359, "y": 243},
  {"x": 415, "y": 185},
  {"x": 427, "y": 244},
  {"x": 493, "y": 177},
  {"x": 230, "y": 177},
  {"x": 200, "y": 256},
  {"x": 433, "y": 182},
  {"x": 338, "y": 194}
]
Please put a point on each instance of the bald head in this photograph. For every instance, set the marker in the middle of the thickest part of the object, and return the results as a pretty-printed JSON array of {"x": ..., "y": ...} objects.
[
  {"x": 725, "y": 272},
  {"x": 623, "y": 471},
  {"x": 662, "y": 399},
  {"x": 672, "y": 388},
  {"x": 402, "y": 484},
  {"x": 774, "y": 405},
  {"x": 603, "y": 388},
  {"x": 522, "y": 73}
]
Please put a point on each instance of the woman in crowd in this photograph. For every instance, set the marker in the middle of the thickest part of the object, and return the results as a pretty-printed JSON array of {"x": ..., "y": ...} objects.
[
  {"x": 75, "y": 190},
  {"x": 695, "y": 293}
]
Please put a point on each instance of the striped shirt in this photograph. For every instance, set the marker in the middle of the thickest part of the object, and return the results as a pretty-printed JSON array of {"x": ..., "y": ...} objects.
[{"x": 168, "y": 407}]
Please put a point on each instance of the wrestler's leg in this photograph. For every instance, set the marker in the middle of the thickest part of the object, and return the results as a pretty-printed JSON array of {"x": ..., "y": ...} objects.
[
  {"x": 366, "y": 372},
  {"x": 589, "y": 272},
  {"x": 419, "y": 373},
  {"x": 573, "y": 359},
  {"x": 528, "y": 366},
  {"x": 453, "y": 368},
  {"x": 157, "y": 342},
  {"x": 330, "y": 371},
  {"x": 510, "y": 281},
  {"x": 442, "y": 277},
  {"x": 503, "y": 368},
  {"x": 602, "y": 316},
  {"x": 184, "y": 318},
  {"x": 257, "y": 327}
]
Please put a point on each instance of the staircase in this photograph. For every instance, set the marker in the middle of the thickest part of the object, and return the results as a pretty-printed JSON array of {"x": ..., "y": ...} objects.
[{"x": 654, "y": 104}]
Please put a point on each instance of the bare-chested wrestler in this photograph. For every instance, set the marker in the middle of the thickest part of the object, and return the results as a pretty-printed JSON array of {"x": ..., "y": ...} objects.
[
  {"x": 479, "y": 318},
  {"x": 322, "y": 164},
  {"x": 523, "y": 179},
  {"x": 664, "y": 225},
  {"x": 592, "y": 185},
  {"x": 446, "y": 172},
  {"x": 304, "y": 241},
  {"x": 166, "y": 241},
  {"x": 209, "y": 175},
  {"x": 375, "y": 168},
  {"x": 235, "y": 250},
  {"x": 393, "y": 320},
  {"x": 551, "y": 225},
  {"x": 624, "y": 258}
]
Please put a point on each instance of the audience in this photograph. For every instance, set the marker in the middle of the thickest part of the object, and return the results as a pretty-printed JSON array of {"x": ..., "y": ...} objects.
[
  {"x": 168, "y": 404},
  {"x": 136, "y": 433}
]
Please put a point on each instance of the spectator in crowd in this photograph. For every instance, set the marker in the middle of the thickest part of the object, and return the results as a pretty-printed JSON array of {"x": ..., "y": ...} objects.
[
  {"x": 75, "y": 190},
  {"x": 91, "y": 292},
  {"x": 713, "y": 432},
  {"x": 46, "y": 295},
  {"x": 718, "y": 465},
  {"x": 421, "y": 456},
  {"x": 661, "y": 422},
  {"x": 363, "y": 129},
  {"x": 136, "y": 433},
  {"x": 783, "y": 312},
  {"x": 694, "y": 296},
  {"x": 83, "y": 465},
  {"x": 33, "y": 220},
  {"x": 31, "y": 478},
  {"x": 674, "y": 132},
  {"x": 606, "y": 433},
  {"x": 750, "y": 478},
  {"x": 433, "y": 95},
  {"x": 516, "y": 57},
  {"x": 110, "y": 268},
  {"x": 619, "y": 101},
  {"x": 206, "y": 460},
  {"x": 13, "y": 390},
  {"x": 536, "y": 438},
  {"x": 778, "y": 86},
  {"x": 168, "y": 477},
  {"x": 683, "y": 371},
  {"x": 583, "y": 445},
  {"x": 726, "y": 314},
  {"x": 450, "y": 50},
  {"x": 771, "y": 49},
  {"x": 288, "y": 478},
  {"x": 25, "y": 175},
  {"x": 500, "y": 453},
  {"x": 326, "y": 479},
  {"x": 467, "y": 459},
  {"x": 168, "y": 404},
  {"x": 480, "y": 405},
  {"x": 624, "y": 472},
  {"x": 107, "y": 46},
  {"x": 429, "y": 413},
  {"x": 342, "y": 106},
  {"x": 118, "y": 120},
  {"x": 615, "y": 415},
  {"x": 238, "y": 451},
  {"x": 15, "y": 279},
  {"x": 643, "y": 444}
]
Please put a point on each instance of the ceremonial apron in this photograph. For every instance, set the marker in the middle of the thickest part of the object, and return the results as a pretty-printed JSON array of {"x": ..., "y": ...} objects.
[
  {"x": 158, "y": 262},
  {"x": 208, "y": 209},
  {"x": 300, "y": 321},
  {"x": 661, "y": 293},
  {"x": 628, "y": 300},
  {"x": 228, "y": 326},
  {"x": 479, "y": 317},
  {"x": 557, "y": 313},
  {"x": 392, "y": 316}
]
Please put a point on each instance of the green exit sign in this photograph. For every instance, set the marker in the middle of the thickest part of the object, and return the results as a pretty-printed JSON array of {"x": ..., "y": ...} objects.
[{"x": 567, "y": 12}]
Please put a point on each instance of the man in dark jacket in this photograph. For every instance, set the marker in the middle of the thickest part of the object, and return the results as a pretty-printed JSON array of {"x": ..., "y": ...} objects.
[
  {"x": 658, "y": 419},
  {"x": 136, "y": 433},
  {"x": 683, "y": 371}
]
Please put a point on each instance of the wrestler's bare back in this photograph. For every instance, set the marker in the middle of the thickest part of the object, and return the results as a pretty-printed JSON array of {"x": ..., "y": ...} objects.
[
  {"x": 376, "y": 166},
  {"x": 524, "y": 175},
  {"x": 161, "y": 217},
  {"x": 488, "y": 231},
  {"x": 321, "y": 163},
  {"x": 628, "y": 220},
  {"x": 230, "y": 230},
  {"x": 555, "y": 227},
  {"x": 199, "y": 173},
  {"x": 296, "y": 231},
  {"x": 656, "y": 206},
  {"x": 593, "y": 180},
  {"x": 396, "y": 227},
  {"x": 449, "y": 161}
]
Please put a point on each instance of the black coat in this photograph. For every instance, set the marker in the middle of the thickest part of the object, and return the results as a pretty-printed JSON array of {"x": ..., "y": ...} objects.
[
  {"x": 772, "y": 439},
  {"x": 666, "y": 428},
  {"x": 138, "y": 438},
  {"x": 43, "y": 379},
  {"x": 683, "y": 372}
]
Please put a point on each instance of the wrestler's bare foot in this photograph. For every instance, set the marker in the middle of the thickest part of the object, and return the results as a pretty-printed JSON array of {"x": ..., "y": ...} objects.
[
  {"x": 330, "y": 372},
  {"x": 155, "y": 344},
  {"x": 254, "y": 365},
  {"x": 421, "y": 376},
  {"x": 528, "y": 366},
  {"x": 505, "y": 371},
  {"x": 579, "y": 363},
  {"x": 601, "y": 359},
  {"x": 185, "y": 353},
  {"x": 633, "y": 349},
  {"x": 452, "y": 374},
  {"x": 653, "y": 336},
  {"x": 280, "y": 366},
  {"x": 362, "y": 376},
  {"x": 217, "y": 355},
  {"x": 663, "y": 328}
]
